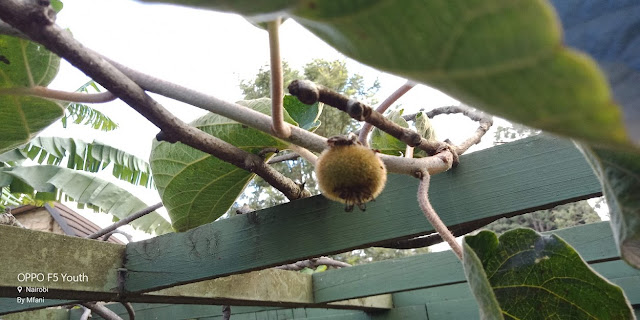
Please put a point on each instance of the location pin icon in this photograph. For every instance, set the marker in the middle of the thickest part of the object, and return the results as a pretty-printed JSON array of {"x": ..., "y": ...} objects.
[{"x": 19, "y": 289}]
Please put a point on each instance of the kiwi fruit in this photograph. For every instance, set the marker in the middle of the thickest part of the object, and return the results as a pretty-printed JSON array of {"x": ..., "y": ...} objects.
[{"x": 349, "y": 172}]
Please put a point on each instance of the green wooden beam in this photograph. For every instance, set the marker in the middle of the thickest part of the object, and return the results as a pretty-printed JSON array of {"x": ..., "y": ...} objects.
[
  {"x": 446, "y": 296},
  {"x": 457, "y": 302},
  {"x": 270, "y": 287},
  {"x": 44, "y": 261},
  {"x": 184, "y": 312},
  {"x": 594, "y": 242},
  {"x": 180, "y": 311},
  {"x": 531, "y": 174}
]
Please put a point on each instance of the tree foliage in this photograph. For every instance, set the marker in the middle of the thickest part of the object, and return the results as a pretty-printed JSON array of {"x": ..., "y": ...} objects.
[{"x": 563, "y": 216}]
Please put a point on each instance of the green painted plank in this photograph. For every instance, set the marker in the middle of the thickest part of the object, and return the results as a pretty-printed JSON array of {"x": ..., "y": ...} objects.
[
  {"x": 354, "y": 315},
  {"x": 149, "y": 311},
  {"x": 486, "y": 184},
  {"x": 623, "y": 275},
  {"x": 411, "y": 312},
  {"x": 320, "y": 312},
  {"x": 457, "y": 302},
  {"x": 594, "y": 242},
  {"x": 299, "y": 313}
]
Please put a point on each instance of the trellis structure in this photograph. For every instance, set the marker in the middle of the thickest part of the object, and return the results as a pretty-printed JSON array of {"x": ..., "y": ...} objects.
[{"x": 189, "y": 275}]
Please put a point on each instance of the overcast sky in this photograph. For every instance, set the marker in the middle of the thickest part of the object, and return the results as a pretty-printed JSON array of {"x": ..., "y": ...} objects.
[{"x": 207, "y": 51}]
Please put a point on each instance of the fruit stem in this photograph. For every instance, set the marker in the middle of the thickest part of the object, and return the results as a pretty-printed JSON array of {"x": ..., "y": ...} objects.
[
  {"x": 279, "y": 128},
  {"x": 432, "y": 216}
]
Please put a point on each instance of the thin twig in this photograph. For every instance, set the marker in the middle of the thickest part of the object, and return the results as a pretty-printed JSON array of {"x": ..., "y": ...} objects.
[
  {"x": 35, "y": 21},
  {"x": 101, "y": 310},
  {"x": 126, "y": 220},
  {"x": 130, "y": 310},
  {"x": 284, "y": 157},
  {"x": 363, "y": 135},
  {"x": 44, "y": 92},
  {"x": 85, "y": 314},
  {"x": 313, "y": 263},
  {"x": 308, "y": 93},
  {"x": 304, "y": 153},
  {"x": 485, "y": 122},
  {"x": 408, "y": 152},
  {"x": 432, "y": 216},
  {"x": 108, "y": 235},
  {"x": 279, "y": 127}
]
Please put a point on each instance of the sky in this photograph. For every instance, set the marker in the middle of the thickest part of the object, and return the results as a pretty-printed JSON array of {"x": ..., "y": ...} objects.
[{"x": 207, "y": 51}]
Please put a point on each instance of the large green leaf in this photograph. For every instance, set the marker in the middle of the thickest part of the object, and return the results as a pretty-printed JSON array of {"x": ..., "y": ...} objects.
[
  {"x": 525, "y": 275},
  {"x": 85, "y": 188},
  {"x": 197, "y": 188},
  {"x": 503, "y": 56},
  {"x": 87, "y": 156},
  {"x": 25, "y": 64},
  {"x": 384, "y": 142},
  {"x": 619, "y": 173}
]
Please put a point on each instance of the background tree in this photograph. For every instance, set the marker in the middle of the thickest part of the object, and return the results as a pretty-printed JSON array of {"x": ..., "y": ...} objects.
[{"x": 563, "y": 216}]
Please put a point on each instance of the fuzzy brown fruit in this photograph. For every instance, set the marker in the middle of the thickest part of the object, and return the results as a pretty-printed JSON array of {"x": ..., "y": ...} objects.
[{"x": 350, "y": 173}]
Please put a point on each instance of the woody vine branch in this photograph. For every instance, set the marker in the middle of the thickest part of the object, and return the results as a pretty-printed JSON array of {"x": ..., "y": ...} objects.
[{"x": 37, "y": 23}]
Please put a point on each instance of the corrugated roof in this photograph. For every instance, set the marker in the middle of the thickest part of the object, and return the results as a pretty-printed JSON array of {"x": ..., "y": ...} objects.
[{"x": 78, "y": 225}]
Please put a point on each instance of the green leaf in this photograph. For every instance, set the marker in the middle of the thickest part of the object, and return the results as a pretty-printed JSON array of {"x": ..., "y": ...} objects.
[
  {"x": 87, "y": 156},
  {"x": 525, "y": 275},
  {"x": 197, "y": 188},
  {"x": 249, "y": 8},
  {"x": 8, "y": 199},
  {"x": 82, "y": 113},
  {"x": 87, "y": 189},
  {"x": 25, "y": 64},
  {"x": 56, "y": 5},
  {"x": 306, "y": 270},
  {"x": 424, "y": 127},
  {"x": 506, "y": 57},
  {"x": 386, "y": 143},
  {"x": 619, "y": 173},
  {"x": 306, "y": 116},
  {"x": 321, "y": 268}
]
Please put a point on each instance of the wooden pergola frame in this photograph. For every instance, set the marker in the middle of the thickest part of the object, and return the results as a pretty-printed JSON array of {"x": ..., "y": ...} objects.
[{"x": 226, "y": 262}]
